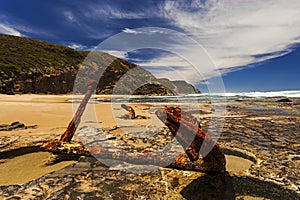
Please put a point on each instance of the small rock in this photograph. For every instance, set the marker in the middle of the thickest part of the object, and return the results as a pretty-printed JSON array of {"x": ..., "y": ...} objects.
[{"x": 285, "y": 100}]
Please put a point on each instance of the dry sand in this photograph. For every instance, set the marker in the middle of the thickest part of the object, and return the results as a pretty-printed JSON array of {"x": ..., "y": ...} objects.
[
  {"x": 48, "y": 113},
  {"x": 52, "y": 113}
]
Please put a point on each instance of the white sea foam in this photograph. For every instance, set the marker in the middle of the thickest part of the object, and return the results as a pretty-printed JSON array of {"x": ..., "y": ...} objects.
[{"x": 286, "y": 93}]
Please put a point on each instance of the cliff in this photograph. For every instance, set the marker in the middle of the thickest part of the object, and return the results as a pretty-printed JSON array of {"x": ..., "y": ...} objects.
[{"x": 32, "y": 66}]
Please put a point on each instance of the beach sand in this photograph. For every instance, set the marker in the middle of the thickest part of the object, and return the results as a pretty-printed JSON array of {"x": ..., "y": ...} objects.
[{"x": 52, "y": 113}]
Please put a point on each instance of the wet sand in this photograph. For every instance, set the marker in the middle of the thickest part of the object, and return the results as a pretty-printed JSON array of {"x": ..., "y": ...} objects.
[
  {"x": 237, "y": 164},
  {"x": 24, "y": 168}
]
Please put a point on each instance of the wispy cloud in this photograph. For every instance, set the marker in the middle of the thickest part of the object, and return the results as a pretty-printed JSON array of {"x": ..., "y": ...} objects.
[
  {"x": 241, "y": 32},
  {"x": 7, "y": 29},
  {"x": 69, "y": 16},
  {"x": 109, "y": 12},
  {"x": 10, "y": 25},
  {"x": 115, "y": 11},
  {"x": 118, "y": 54},
  {"x": 174, "y": 67},
  {"x": 181, "y": 53},
  {"x": 78, "y": 46},
  {"x": 128, "y": 30},
  {"x": 234, "y": 33}
]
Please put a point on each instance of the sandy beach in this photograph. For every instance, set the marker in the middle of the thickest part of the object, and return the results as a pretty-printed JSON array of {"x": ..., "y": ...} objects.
[
  {"x": 49, "y": 113},
  {"x": 52, "y": 114}
]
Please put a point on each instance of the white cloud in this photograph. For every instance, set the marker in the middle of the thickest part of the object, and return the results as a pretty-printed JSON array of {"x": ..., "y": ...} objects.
[
  {"x": 6, "y": 29},
  {"x": 175, "y": 67},
  {"x": 107, "y": 11},
  {"x": 10, "y": 27},
  {"x": 77, "y": 46},
  {"x": 235, "y": 33},
  {"x": 188, "y": 58},
  {"x": 69, "y": 16},
  {"x": 130, "y": 31},
  {"x": 118, "y": 54}
]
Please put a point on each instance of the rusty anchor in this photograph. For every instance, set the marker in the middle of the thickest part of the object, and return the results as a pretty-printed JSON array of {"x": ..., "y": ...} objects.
[{"x": 182, "y": 125}]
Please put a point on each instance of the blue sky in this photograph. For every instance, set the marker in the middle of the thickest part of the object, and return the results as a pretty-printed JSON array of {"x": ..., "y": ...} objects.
[{"x": 253, "y": 44}]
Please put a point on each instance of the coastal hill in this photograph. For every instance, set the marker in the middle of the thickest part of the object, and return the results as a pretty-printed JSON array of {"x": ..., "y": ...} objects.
[{"x": 32, "y": 66}]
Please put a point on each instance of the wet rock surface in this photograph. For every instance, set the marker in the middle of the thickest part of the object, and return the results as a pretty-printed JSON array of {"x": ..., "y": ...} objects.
[
  {"x": 272, "y": 133},
  {"x": 265, "y": 131},
  {"x": 12, "y": 142}
]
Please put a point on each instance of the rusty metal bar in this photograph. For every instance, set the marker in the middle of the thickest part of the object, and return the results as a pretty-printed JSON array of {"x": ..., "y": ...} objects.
[{"x": 70, "y": 131}]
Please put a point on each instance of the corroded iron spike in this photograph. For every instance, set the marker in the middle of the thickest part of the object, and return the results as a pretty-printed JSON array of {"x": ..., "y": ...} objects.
[
  {"x": 186, "y": 130},
  {"x": 69, "y": 133}
]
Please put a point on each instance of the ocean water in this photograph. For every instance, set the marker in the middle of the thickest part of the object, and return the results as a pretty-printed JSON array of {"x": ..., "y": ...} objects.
[
  {"x": 190, "y": 98},
  {"x": 211, "y": 96}
]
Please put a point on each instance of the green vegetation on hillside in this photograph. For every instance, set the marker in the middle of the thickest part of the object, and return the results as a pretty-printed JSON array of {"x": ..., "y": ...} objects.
[
  {"x": 25, "y": 58},
  {"x": 33, "y": 66},
  {"x": 25, "y": 55}
]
